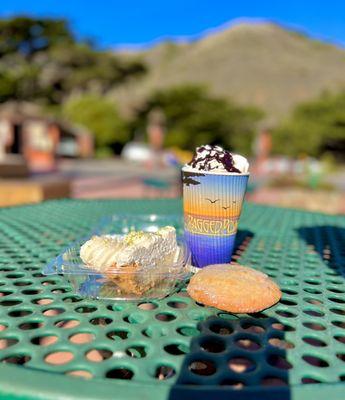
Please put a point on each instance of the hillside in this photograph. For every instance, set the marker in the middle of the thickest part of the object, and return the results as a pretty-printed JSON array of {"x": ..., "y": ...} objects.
[{"x": 261, "y": 64}]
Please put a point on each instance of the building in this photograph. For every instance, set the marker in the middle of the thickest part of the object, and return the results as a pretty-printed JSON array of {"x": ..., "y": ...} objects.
[{"x": 25, "y": 130}]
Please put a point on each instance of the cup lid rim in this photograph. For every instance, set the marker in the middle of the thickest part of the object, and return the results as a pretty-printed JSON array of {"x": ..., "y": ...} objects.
[{"x": 186, "y": 169}]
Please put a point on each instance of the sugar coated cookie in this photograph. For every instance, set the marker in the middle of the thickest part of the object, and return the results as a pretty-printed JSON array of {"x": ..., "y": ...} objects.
[{"x": 233, "y": 288}]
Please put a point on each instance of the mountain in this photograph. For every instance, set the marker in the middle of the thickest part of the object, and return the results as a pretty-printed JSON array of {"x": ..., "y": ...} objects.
[{"x": 259, "y": 64}]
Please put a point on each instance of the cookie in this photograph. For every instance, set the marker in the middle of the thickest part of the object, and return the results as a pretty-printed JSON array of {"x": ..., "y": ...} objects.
[{"x": 233, "y": 288}]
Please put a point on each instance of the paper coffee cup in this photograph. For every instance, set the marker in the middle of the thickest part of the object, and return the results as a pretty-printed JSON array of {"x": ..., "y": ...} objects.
[{"x": 212, "y": 204}]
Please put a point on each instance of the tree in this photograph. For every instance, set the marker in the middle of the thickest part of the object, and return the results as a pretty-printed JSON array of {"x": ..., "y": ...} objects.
[
  {"x": 42, "y": 61},
  {"x": 27, "y": 36},
  {"x": 194, "y": 117},
  {"x": 77, "y": 68},
  {"x": 100, "y": 116},
  {"x": 312, "y": 126}
]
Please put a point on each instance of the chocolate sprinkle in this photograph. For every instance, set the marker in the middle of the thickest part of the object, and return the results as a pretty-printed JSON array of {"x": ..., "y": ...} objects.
[{"x": 222, "y": 156}]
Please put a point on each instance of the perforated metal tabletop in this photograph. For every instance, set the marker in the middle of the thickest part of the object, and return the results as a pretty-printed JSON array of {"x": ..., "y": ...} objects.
[{"x": 53, "y": 344}]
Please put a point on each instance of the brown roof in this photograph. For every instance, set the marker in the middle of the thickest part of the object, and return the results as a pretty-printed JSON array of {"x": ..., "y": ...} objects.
[{"x": 17, "y": 112}]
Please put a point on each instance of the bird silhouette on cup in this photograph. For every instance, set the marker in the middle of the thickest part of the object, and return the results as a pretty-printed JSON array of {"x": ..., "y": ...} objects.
[{"x": 212, "y": 201}]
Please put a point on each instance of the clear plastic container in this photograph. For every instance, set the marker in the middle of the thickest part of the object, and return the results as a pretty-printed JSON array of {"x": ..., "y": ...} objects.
[{"x": 128, "y": 284}]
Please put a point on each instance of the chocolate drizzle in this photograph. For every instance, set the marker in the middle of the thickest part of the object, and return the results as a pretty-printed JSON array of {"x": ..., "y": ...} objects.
[{"x": 214, "y": 153}]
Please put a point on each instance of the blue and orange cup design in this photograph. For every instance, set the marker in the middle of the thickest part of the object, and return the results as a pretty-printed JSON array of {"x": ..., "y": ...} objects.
[{"x": 212, "y": 206}]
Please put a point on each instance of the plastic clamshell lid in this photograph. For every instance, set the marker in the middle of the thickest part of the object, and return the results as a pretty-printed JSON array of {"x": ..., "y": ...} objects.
[{"x": 69, "y": 262}]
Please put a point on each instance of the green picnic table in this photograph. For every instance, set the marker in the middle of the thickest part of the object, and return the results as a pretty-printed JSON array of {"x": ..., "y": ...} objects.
[{"x": 174, "y": 348}]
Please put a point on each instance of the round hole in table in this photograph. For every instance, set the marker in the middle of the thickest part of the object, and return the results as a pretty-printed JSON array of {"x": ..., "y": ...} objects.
[
  {"x": 22, "y": 283},
  {"x": 59, "y": 357},
  {"x": 252, "y": 327},
  {"x": 164, "y": 372},
  {"x": 36, "y": 274},
  {"x": 235, "y": 384},
  {"x": 85, "y": 309},
  {"x": 98, "y": 354},
  {"x": 339, "y": 324},
  {"x": 315, "y": 361},
  {"x": 289, "y": 291},
  {"x": 278, "y": 361},
  {"x": 248, "y": 344},
  {"x": 8, "y": 341},
  {"x": 19, "y": 359},
  {"x": 286, "y": 313},
  {"x": 221, "y": 328},
  {"x": 71, "y": 299},
  {"x": 313, "y": 300},
  {"x": 313, "y": 312},
  {"x": 202, "y": 367},
  {"x": 241, "y": 364},
  {"x": 52, "y": 312},
  {"x": 80, "y": 373},
  {"x": 31, "y": 292},
  {"x": 177, "y": 304},
  {"x": 339, "y": 311},
  {"x": 287, "y": 302},
  {"x": 81, "y": 337},
  {"x": 120, "y": 373},
  {"x": 135, "y": 318},
  {"x": 340, "y": 338},
  {"x": 67, "y": 323},
  {"x": 280, "y": 343},
  {"x": 176, "y": 349},
  {"x": 312, "y": 290},
  {"x": 136, "y": 351},
  {"x": 165, "y": 317},
  {"x": 283, "y": 327},
  {"x": 337, "y": 300},
  {"x": 314, "y": 341},
  {"x": 3, "y": 326},
  {"x": 273, "y": 381},
  {"x": 61, "y": 290},
  {"x": 187, "y": 330},
  {"x": 101, "y": 321},
  {"x": 30, "y": 325},
  {"x": 118, "y": 334},
  {"x": 336, "y": 290},
  {"x": 5, "y": 292},
  {"x": 42, "y": 301},
  {"x": 10, "y": 303},
  {"x": 44, "y": 340},
  {"x": 147, "y": 306},
  {"x": 48, "y": 282},
  {"x": 15, "y": 275},
  {"x": 154, "y": 331},
  {"x": 212, "y": 344},
  {"x": 315, "y": 326},
  {"x": 309, "y": 380}
]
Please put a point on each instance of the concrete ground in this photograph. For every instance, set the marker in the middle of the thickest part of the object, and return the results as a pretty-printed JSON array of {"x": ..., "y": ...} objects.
[
  {"x": 330, "y": 202},
  {"x": 118, "y": 179},
  {"x": 115, "y": 178}
]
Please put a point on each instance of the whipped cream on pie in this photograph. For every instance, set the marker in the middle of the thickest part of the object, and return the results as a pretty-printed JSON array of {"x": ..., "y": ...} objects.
[{"x": 142, "y": 249}]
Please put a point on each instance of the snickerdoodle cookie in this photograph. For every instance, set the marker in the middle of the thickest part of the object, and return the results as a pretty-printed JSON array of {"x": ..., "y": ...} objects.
[{"x": 233, "y": 288}]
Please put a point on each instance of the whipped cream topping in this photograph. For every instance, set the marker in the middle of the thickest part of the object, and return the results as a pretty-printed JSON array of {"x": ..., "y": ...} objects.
[
  {"x": 215, "y": 158},
  {"x": 145, "y": 249}
]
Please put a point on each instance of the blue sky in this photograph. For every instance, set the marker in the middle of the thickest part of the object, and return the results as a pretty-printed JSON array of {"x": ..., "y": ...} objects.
[{"x": 116, "y": 22}]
